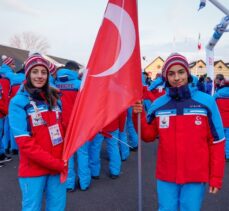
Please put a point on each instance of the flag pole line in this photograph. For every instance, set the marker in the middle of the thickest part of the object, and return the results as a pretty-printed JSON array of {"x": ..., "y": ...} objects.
[
  {"x": 139, "y": 164},
  {"x": 122, "y": 142}
]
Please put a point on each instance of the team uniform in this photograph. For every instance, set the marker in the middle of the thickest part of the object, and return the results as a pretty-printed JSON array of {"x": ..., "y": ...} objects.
[
  {"x": 67, "y": 81},
  {"x": 191, "y": 141},
  {"x": 38, "y": 131},
  {"x": 222, "y": 99}
]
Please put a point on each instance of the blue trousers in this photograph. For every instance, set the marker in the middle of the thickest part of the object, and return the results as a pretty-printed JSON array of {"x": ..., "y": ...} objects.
[
  {"x": 71, "y": 179},
  {"x": 112, "y": 150},
  {"x": 2, "y": 150},
  {"x": 84, "y": 172},
  {"x": 124, "y": 149},
  {"x": 8, "y": 138},
  {"x": 6, "y": 135},
  {"x": 131, "y": 132},
  {"x": 33, "y": 188},
  {"x": 174, "y": 197},
  {"x": 226, "y": 131}
]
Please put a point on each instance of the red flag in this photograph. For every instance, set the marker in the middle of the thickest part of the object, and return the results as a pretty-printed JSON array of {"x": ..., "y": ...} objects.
[
  {"x": 112, "y": 81},
  {"x": 199, "y": 46}
]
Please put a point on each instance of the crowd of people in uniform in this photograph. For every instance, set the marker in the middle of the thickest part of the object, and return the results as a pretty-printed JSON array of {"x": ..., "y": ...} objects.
[{"x": 36, "y": 105}]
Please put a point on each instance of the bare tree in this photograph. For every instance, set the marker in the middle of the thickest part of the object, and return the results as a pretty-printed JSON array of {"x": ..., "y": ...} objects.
[{"x": 30, "y": 41}]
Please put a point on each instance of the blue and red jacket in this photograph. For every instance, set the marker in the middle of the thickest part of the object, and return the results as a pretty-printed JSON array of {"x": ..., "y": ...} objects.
[
  {"x": 38, "y": 156},
  {"x": 4, "y": 97},
  {"x": 69, "y": 84},
  {"x": 16, "y": 79},
  {"x": 222, "y": 99},
  {"x": 191, "y": 136}
]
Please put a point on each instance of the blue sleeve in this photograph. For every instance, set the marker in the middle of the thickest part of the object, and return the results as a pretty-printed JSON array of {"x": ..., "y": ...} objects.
[
  {"x": 18, "y": 118},
  {"x": 214, "y": 118},
  {"x": 156, "y": 83}
]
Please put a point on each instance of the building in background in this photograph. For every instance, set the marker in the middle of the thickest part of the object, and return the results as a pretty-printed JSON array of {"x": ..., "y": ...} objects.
[
  {"x": 154, "y": 67},
  {"x": 197, "y": 67}
]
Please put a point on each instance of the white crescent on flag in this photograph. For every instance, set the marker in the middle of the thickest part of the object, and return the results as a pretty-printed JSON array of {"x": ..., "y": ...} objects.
[{"x": 125, "y": 26}]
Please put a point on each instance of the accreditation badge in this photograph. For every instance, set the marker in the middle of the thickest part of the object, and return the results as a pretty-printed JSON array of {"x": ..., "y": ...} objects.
[
  {"x": 55, "y": 135},
  {"x": 163, "y": 121}
]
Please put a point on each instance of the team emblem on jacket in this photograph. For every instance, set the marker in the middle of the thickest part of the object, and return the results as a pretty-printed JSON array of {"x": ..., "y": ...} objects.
[
  {"x": 37, "y": 119},
  {"x": 164, "y": 121},
  {"x": 198, "y": 120}
]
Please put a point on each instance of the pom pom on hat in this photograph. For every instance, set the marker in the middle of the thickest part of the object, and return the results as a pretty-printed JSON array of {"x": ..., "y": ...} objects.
[
  {"x": 175, "y": 59},
  {"x": 7, "y": 60},
  {"x": 35, "y": 60}
]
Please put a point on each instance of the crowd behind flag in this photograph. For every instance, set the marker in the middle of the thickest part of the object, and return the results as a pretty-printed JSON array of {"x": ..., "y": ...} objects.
[{"x": 112, "y": 81}]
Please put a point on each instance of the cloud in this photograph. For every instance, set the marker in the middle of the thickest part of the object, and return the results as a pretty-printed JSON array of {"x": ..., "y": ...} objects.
[{"x": 20, "y": 6}]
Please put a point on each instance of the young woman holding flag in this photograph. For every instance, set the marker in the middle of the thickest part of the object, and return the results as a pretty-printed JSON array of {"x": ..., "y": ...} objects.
[{"x": 191, "y": 139}]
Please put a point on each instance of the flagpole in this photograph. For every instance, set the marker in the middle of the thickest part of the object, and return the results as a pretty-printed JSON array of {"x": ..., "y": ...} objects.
[
  {"x": 139, "y": 164},
  {"x": 139, "y": 157}
]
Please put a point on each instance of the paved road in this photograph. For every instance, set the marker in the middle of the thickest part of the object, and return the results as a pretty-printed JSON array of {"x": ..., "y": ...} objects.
[{"x": 107, "y": 194}]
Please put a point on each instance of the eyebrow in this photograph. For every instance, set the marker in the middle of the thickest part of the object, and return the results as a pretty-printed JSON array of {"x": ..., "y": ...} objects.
[{"x": 177, "y": 70}]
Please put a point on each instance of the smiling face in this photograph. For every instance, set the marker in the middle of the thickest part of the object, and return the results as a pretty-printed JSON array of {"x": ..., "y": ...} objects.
[
  {"x": 38, "y": 76},
  {"x": 177, "y": 76}
]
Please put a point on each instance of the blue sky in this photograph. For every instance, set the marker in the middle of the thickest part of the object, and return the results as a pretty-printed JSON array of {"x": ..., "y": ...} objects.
[{"x": 71, "y": 26}]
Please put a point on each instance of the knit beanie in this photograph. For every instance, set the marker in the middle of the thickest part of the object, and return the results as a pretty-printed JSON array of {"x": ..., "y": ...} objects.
[
  {"x": 175, "y": 59},
  {"x": 7, "y": 60},
  {"x": 35, "y": 60}
]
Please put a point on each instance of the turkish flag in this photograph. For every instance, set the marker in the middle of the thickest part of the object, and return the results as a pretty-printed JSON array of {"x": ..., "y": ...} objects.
[{"x": 112, "y": 80}]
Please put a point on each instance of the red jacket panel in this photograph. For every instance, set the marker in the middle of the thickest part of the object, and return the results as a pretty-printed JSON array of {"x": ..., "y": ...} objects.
[{"x": 223, "y": 105}]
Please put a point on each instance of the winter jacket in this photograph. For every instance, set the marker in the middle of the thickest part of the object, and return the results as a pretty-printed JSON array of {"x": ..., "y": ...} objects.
[
  {"x": 29, "y": 120},
  {"x": 191, "y": 137},
  {"x": 222, "y": 99},
  {"x": 3, "y": 98},
  {"x": 16, "y": 79},
  {"x": 69, "y": 84}
]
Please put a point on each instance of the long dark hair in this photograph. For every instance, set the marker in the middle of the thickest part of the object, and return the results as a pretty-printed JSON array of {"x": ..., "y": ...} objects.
[{"x": 47, "y": 93}]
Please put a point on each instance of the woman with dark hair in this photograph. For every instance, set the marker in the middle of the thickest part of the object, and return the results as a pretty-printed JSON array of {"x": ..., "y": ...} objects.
[{"x": 35, "y": 118}]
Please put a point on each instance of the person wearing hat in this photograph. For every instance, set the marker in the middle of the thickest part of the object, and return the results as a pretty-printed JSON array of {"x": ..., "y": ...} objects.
[
  {"x": 222, "y": 99},
  {"x": 8, "y": 65},
  {"x": 35, "y": 116},
  {"x": 3, "y": 112},
  {"x": 16, "y": 79},
  {"x": 191, "y": 139},
  {"x": 69, "y": 84}
]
